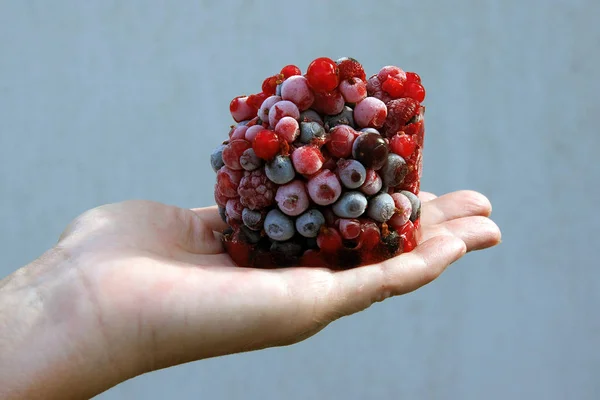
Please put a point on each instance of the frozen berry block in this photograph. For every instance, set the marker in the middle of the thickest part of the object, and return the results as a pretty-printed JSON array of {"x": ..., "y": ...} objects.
[{"x": 323, "y": 168}]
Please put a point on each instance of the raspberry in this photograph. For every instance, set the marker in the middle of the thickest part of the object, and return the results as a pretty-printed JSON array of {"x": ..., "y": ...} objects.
[
  {"x": 400, "y": 111},
  {"x": 323, "y": 74},
  {"x": 256, "y": 191},
  {"x": 350, "y": 68},
  {"x": 266, "y": 144}
]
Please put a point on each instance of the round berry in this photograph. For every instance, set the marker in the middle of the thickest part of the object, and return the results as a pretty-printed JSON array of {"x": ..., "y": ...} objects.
[
  {"x": 228, "y": 181},
  {"x": 310, "y": 116},
  {"x": 329, "y": 240},
  {"x": 249, "y": 160},
  {"x": 283, "y": 108},
  {"x": 323, "y": 74},
  {"x": 407, "y": 234},
  {"x": 415, "y": 91},
  {"x": 252, "y": 131},
  {"x": 344, "y": 118},
  {"x": 255, "y": 190},
  {"x": 252, "y": 219},
  {"x": 290, "y": 70},
  {"x": 309, "y": 223},
  {"x": 413, "y": 77},
  {"x": 372, "y": 183},
  {"x": 352, "y": 173},
  {"x": 216, "y": 158},
  {"x": 292, "y": 198},
  {"x": 374, "y": 89},
  {"x": 287, "y": 253},
  {"x": 400, "y": 112},
  {"x": 381, "y": 207},
  {"x": 350, "y": 205},
  {"x": 341, "y": 139},
  {"x": 307, "y": 160},
  {"x": 219, "y": 198},
  {"x": 403, "y": 145},
  {"x": 370, "y": 130},
  {"x": 324, "y": 188},
  {"x": 353, "y": 90},
  {"x": 278, "y": 226},
  {"x": 311, "y": 131},
  {"x": 350, "y": 68},
  {"x": 266, "y": 144},
  {"x": 415, "y": 204},
  {"x": 371, "y": 150},
  {"x": 234, "y": 209},
  {"x": 370, "y": 112},
  {"x": 394, "y": 170},
  {"x": 329, "y": 103},
  {"x": 240, "y": 109},
  {"x": 349, "y": 228},
  {"x": 233, "y": 151},
  {"x": 296, "y": 90},
  {"x": 263, "y": 111},
  {"x": 239, "y": 132},
  {"x": 255, "y": 100},
  {"x": 269, "y": 85},
  {"x": 391, "y": 71},
  {"x": 247, "y": 235},
  {"x": 280, "y": 170},
  {"x": 403, "y": 211},
  {"x": 370, "y": 235},
  {"x": 393, "y": 86},
  {"x": 288, "y": 129}
]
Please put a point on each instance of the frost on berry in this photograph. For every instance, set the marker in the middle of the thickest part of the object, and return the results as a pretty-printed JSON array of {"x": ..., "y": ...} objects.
[
  {"x": 228, "y": 181},
  {"x": 400, "y": 112},
  {"x": 256, "y": 191},
  {"x": 324, "y": 188},
  {"x": 370, "y": 112},
  {"x": 297, "y": 90},
  {"x": 307, "y": 160}
]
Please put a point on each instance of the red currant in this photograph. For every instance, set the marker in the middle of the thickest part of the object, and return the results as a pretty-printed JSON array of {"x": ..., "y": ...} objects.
[
  {"x": 269, "y": 85},
  {"x": 403, "y": 145},
  {"x": 407, "y": 233},
  {"x": 266, "y": 144},
  {"x": 329, "y": 239},
  {"x": 413, "y": 77},
  {"x": 416, "y": 91},
  {"x": 290, "y": 70},
  {"x": 256, "y": 100},
  {"x": 323, "y": 75},
  {"x": 393, "y": 86}
]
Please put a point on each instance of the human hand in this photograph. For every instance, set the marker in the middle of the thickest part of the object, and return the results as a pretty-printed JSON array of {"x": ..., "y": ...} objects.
[{"x": 137, "y": 286}]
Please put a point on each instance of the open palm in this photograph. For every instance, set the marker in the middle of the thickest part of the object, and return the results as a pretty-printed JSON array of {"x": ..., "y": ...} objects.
[{"x": 153, "y": 287}]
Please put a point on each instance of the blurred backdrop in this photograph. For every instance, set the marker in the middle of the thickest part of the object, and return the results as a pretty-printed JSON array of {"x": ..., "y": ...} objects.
[{"x": 102, "y": 101}]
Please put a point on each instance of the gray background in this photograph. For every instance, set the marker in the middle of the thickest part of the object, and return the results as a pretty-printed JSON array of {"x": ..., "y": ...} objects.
[{"x": 102, "y": 101}]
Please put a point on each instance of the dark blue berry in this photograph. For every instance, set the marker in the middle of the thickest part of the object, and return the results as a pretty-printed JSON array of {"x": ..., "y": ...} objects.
[
  {"x": 350, "y": 205},
  {"x": 309, "y": 223},
  {"x": 216, "y": 158},
  {"x": 381, "y": 207},
  {"x": 278, "y": 226},
  {"x": 280, "y": 170}
]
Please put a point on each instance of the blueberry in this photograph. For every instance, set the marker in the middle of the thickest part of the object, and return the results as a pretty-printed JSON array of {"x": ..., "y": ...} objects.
[
  {"x": 243, "y": 123},
  {"x": 252, "y": 219},
  {"x": 394, "y": 170},
  {"x": 370, "y": 130},
  {"x": 278, "y": 90},
  {"x": 249, "y": 160},
  {"x": 350, "y": 205},
  {"x": 309, "y": 223},
  {"x": 391, "y": 242},
  {"x": 381, "y": 207},
  {"x": 249, "y": 236},
  {"x": 310, "y": 116},
  {"x": 346, "y": 117},
  {"x": 280, "y": 170},
  {"x": 415, "y": 202},
  {"x": 223, "y": 214},
  {"x": 352, "y": 173},
  {"x": 216, "y": 158},
  {"x": 278, "y": 226},
  {"x": 286, "y": 253},
  {"x": 310, "y": 131}
]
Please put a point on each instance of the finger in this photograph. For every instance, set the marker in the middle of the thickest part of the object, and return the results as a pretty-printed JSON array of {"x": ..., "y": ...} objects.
[
  {"x": 426, "y": 196},
  {"x": 464, "y": 203},
  {"x": 477, "y": 232},
  {"x": 359, "y": 288},
  {"x": 200, "y": 234},
  {"x": 211, "y": 217}
]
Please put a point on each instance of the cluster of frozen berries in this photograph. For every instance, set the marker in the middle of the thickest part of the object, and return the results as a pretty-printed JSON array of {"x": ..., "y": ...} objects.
[{"x": 323, "y": 168}]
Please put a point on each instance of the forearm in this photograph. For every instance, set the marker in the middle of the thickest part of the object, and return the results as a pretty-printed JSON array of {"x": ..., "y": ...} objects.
[{"x": 39, "y": 356}]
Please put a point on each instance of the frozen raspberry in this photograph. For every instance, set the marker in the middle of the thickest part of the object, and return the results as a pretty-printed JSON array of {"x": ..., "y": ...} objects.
[
  {"x": 324, "y": 188},
  {"x": 266, "y": 144},
  {"x": 329, "y": 103},
  {"x": 265, "y": 107},
  {"x": 228, "y": 181},
  {"x": 372, "y": 183},
  {"x": 307, "y": 160},
  {"x": 353, "y": 90},
  {"x": 234, "y": 209},
  {"x": 346, "y": 117},
  {"x": 240, "y": 109},
  {"x": 233, "y": 151},
  {"x": 400, "y": 112},
  {"x": 256, "y": 191},
  {"x": 296, "y": 90},
  {"x": 292, "y": 198},
  {"x": 350, "y": 68},
  {"x": 370, "y": 112},
  {"x": 341, "y": 139},
  {"x": 289, "y": 71},
  {"x": 287, "y": 129},
  {"x": 329, "y": 239},
  {"x": 403, "y": 145},
  {"x": 349, "y": 228},
  {"x": 283, "y": 108},
  {"x": 323, "y": 74}
]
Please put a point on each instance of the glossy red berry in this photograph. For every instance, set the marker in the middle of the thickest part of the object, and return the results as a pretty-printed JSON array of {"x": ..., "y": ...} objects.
[
  {"x": 393, "y": 86},
  {"x": 269, "y": 85},
  {"x": 407, "y": 233},
  {"x": 266, "y": 144},
  {"x": 403, "y": 145},
  {"x": 290, "y": 70},
  {"x": 413, "y": 77},
  {"x": 323, "y": 75},
  {"x": 415, "y": 91},
  {"x": 329, "y": 240},
  {"x": 256, "y": 100}
]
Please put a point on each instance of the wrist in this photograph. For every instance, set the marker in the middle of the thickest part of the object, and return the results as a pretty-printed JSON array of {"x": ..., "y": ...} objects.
[{"x": 48, "y": 347}]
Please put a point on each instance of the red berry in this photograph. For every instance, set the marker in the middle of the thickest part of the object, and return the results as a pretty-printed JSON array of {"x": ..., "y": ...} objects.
[
  {"x": 393, "y": 86},
  {"x": 290, "y": 70},
  {"x": 416, "y": 91},
  {"x": 323, "y": 74},
  {"x": 370, "y": 235},
  {"x": 256, "y": 100},
  {"x": 407, "y": 233},
  {"x": 269, "y": 85},
  {"x": 228, "y": 181},
  {"x": 350, "y": 68},
  {"x": 329, "y": 239},
  {"x": 349, "y": 228},
  {"x": 233, "y": 151},
  {"x": 328, "y": 103},
  {"x": 240, "y": 109},
  {"x": 341, "y": 139},
  {"x": 400, "y": 111},
  {"x": 403, "y": 145},
  {"x": 307, "y": 160},
  {"x": 256, "y": 190},
  {"x": 219, "y": 198},
  {"x": 266, "y": 144},
  {"x": 413, "y": 77}
]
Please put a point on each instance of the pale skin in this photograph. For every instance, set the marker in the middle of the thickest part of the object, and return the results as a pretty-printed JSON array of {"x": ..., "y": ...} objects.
[{"x": 137, "y": 286}]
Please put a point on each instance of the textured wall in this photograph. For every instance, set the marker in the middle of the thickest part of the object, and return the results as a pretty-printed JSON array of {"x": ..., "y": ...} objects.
[{"x": 102, "y": 101}]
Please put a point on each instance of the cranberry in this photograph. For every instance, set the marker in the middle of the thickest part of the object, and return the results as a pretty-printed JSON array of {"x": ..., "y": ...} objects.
[
  {"x": 266, "y": 144},
  {"x": 290, "y": 70},
  {"x": 413, "y": 77},
  {"x": 323, "y": 74},
  {"x": 269, "y": 85}
]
